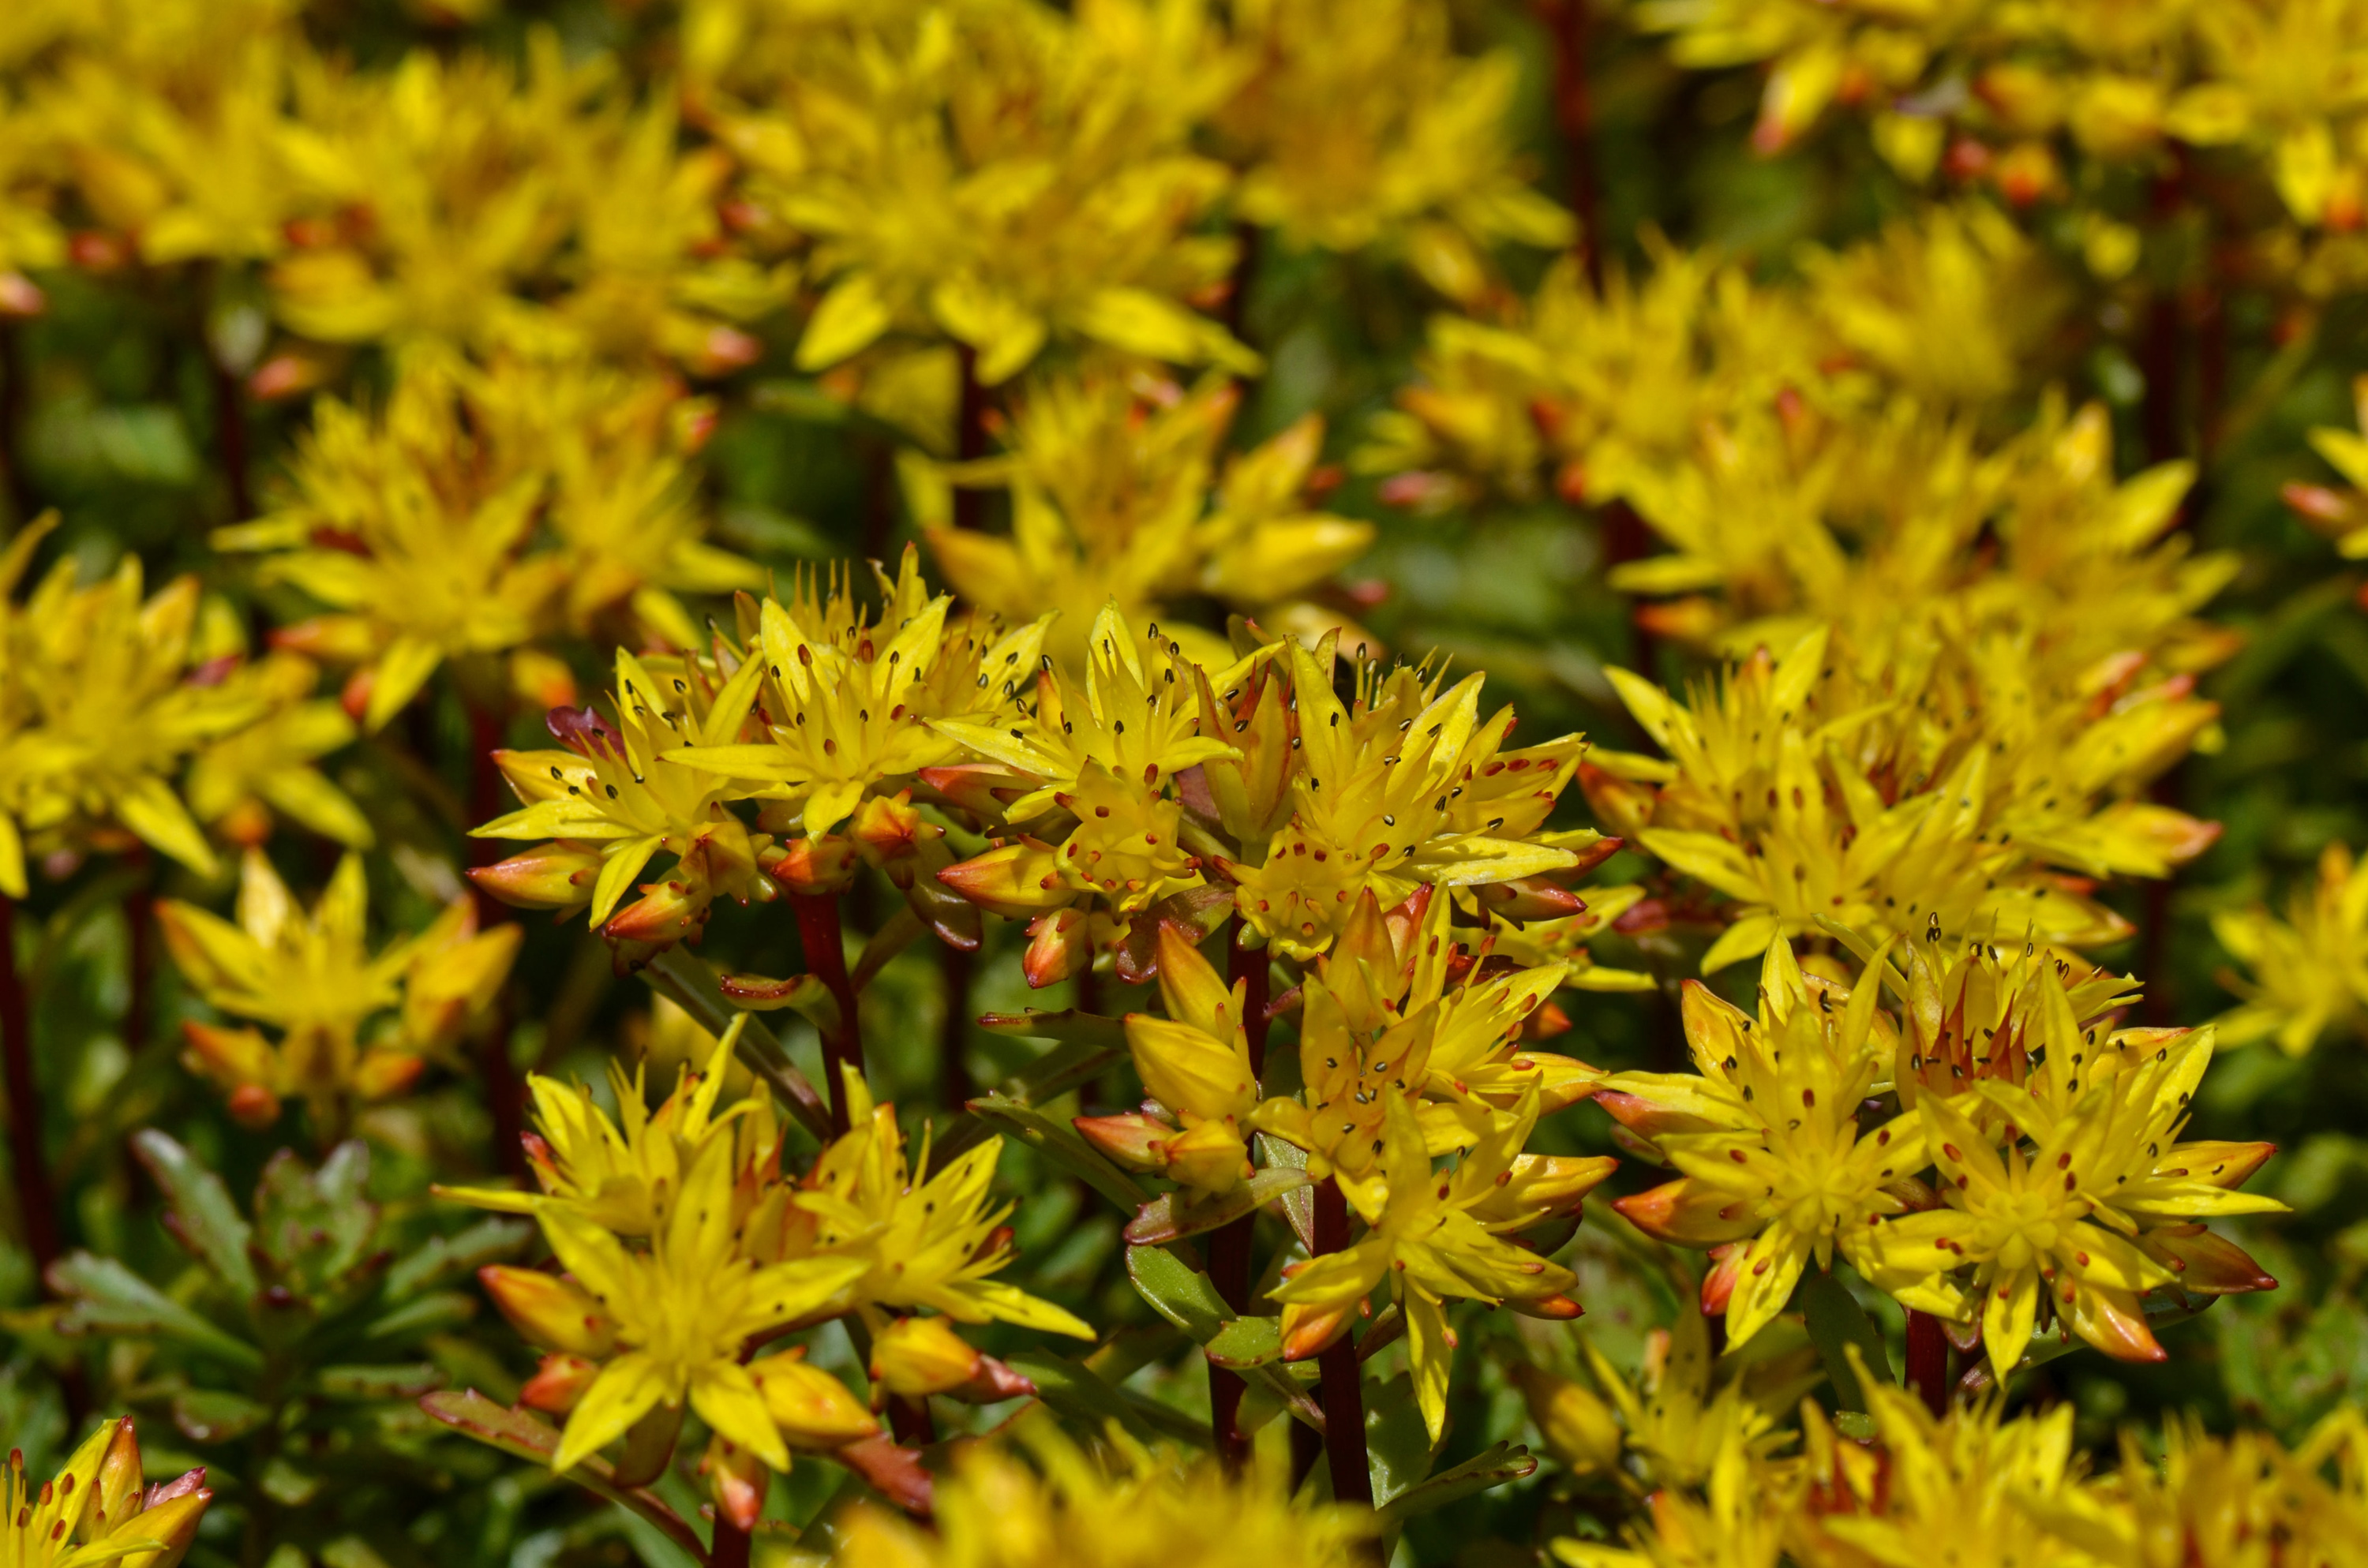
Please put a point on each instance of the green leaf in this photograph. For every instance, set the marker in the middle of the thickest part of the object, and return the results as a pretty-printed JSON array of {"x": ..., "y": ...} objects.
[
  {"x": 1059, "y": 1142},
  {"x": 105, "y": 1297},
  {"x": 378, "y": 1383},
  {"x": 1077, "y": 1392},
  {"x": 199, "y": 1212},
  {"x": 1398, "y": 1450},
  {"x": 1245, "y": 1342},
  {"x": 445, "y": 1257},
  {"x": 1068, "y": 1026},
  {"x": 314, "y": 1226},
  {"x": 423, "y": 1314},
  {"x": 1836, "y": 1320},
  {"x": 215, "y": 1415},
  {"x": 1172, "y": 1216},
  {"x": 1500, "y": 1464},
  {"x": 1177, "y": 1292}
]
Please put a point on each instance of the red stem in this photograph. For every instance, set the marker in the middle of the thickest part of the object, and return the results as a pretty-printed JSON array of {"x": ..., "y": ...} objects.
[
  {"x": 505, "y": 1092},
  {"x": 22, "y": 503},
  {"x": 1928, "y": 1361},
  {"x": 1344, "y": 1393},
  {"x": 908, "y": 1419},
  {"x": 1570, "y": 21},
  {"x": 827, "y": 960},
  {"x": 36, "y": 1198},
  {"x": 1231, "y": 1248},
  {"x": 230, "y": 437},
  {"x": 730, "y": 1547},
  {"x": 970, "y": 441}
]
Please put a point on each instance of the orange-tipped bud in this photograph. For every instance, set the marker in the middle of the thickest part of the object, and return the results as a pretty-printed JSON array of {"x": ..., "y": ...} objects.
[
  {"x": 169, "y": 1515},
  {"x": 672, "y": 911},
  {"x": 812, "y": 1409},
  {"x": 558, "y": 1383},
  {"x": 2206, "y": 1265},
  {"x": 1686, "y": 1213},
  {"x": 20, "y": 297},
  {"x": 982, "y": 788},
  {"x": 1135, "y": 1141},
  {"x": 889, "y": 833},
  {"x": 2318, "y": 504},
  {"x": 736, "y": 1482},
  {"x": 253, "y": 1107},
  {"x": 813, "y": 866},
  {"x": 1725, "y": 1272},
  {"x": 1545, "y": 1023},
  {"x": 914, "y": 1358},
  {"x": 1621, "y": 805},
  {"x": 1529, "y": 898},
  {"x": 1310, "y": 1331},
  {"x": 382, "y": 1075},
  {"x": 549, "y": 876},
  {"x": 550, "y": 1311},
  {"x": 1554, "y": 1308},
  {"x": 1059, "y": 945},
  {"x": 1017, "y": 882},
  {"x": 284, "y": 376},
  {"x": 118, "y": 1472}
]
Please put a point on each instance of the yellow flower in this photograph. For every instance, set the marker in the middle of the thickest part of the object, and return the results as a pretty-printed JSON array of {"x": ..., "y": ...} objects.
[
  {"x": 1741, "y": 1522},
  {"x": 1407, "y": 787},
  {"x": 626, "y": 1175},
  {"x": 271, "y": 765},
  {"x": 620, "y": 786},
  {"x": 1360, "y": 126},
  {"x": 2309, "y": 972},
  {"x": 1195, "y": 1062},
  {"x": 1767, "y": 1139},
  {"x": 313, "y": 978},
  {"x": 98, "y": 709},
  {"x": 1121, "y": 1507},
  {"x": 1002, "y": 175},
  {"x": 669, "y": 1326},
  {"x": 1435, "y": 1237},
  {"x": 96, "y": 1511},
  {"x": 1117, "y": 499},
  {"x": 918, "y": 1238},
  {"x": 851, "y": 706}
]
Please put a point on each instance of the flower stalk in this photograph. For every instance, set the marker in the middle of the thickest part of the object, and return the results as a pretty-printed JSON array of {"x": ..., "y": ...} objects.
[
  {"x": 842, "y": 1047},
  {"x": 1928, "y": 1361},
  {"x": 1343, "y": 1389},
  {"x": 1230, "y": 1249}
]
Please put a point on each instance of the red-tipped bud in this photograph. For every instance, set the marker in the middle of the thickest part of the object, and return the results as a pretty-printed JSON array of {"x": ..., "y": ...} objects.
[
  {"x": 1135, "y": 1141},
  {"x": 550, "y": 876},
  {"x": 558, "y": 1383},
  {"x": 20, "y": 297},
  {"x": 1017, "y": 882},
  {"x": 550, "y": 1311},
  {"x": 668, "y": 912},
  {"x": 813, "y": 866},
  {"x": 914, "y": 1358},
  {"x": 1059, "y": 945}
]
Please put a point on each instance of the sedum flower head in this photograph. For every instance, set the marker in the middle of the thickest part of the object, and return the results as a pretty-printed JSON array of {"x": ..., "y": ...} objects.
[
  {"x": 1358, "y": 126},
  {"x": 921, "y": 1238},
  {"x": 668, "y": 1326},
  {"x": 1121, "y": 1505},
  {"x": 96, "y": 1510},
  {"x": 1405, "y": 786},
  {"x": 1768, "y": 1138},
  {"x": 1433, "y": 1237},
  {"x": 311, "y": 978},
  {"x": 2309, "y": 971},
  {"x": 99, "y": 704},
  {"x": 419, "y": 526},
  {"x": 237, "y": 783},
  {"x": 850, "y": 706},
  {"x": 1118, "y": 498}
]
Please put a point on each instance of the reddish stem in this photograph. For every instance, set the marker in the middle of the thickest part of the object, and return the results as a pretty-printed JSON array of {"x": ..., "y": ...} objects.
[
  {"x": 1231, "y": 1248},
  {"x": 730, "y": 1547},
  {"x": 230, "y": 437},
  {"x": 1928, "y": 1361},
  {"x": 22, "y": 503},
  {"x": 1570, "y": 21},
  {"x": 826, "y": 948},
  {"x": 1344, "y": 1393},
  {"x": 970, "y": 441},
  {"x": 909, "y": 1420},
  {"x": 505, "y": 1092},
  {"x": 36, "y": 1198}
]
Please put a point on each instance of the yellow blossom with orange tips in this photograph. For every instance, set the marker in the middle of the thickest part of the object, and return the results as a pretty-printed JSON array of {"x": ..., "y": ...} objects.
[
  {"x": 312, "y": 976},
  {"x": 96, "y": 1509},
  {"x": 2306, "y": 974}
]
